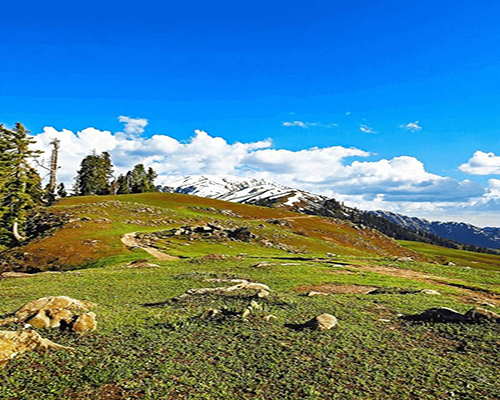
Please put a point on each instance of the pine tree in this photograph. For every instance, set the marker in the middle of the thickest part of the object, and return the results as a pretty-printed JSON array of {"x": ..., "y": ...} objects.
[
  {"x": 123, "y": 185},
  {"x": 151, "y": 176},
  {"x": 140, "y": 180},
  {"x": 95, "y": 175},
  {"x": 20, "y": 184}
]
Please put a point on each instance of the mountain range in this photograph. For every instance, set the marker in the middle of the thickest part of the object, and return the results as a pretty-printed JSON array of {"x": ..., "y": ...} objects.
[
  {"x": 265, "y": 193},
  {"x": 458, "y": 231}
]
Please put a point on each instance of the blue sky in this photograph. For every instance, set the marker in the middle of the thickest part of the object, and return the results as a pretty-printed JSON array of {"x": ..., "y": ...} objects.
[{"x": 350, "y": 74}]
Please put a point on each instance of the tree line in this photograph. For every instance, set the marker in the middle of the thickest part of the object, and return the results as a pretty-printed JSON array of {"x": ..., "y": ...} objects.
[{"x": 21, "y": 190}]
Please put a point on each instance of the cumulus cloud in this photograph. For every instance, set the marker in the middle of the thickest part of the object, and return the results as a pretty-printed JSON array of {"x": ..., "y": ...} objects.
[
  {"x": 482, "y": 163},
  {"x": 349, "y": 174},
  {"x": 305, "y": 125},
  {"x": 366, "y": 129},
  {"x": 411, "y": 126},
  {"x": 133, "y": 126}
]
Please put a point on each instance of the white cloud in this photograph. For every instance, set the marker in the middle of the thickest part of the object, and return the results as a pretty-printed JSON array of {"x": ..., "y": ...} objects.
[
  {"x": 482, "y": 163},
  {"x": 305, "y": 125},
  {"x": 366, "y": 129},
  {"x": 295, "y": 123},
  {"x": 412, "y": 126},
  {"x": 400, "y": 184},
  {"x": 133, "y": 126}
]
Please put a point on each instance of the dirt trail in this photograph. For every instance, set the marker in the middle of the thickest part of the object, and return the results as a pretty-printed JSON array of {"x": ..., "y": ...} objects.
[
  {"x": 468, "y": 294},
  {"x": 130, "y": 240}
]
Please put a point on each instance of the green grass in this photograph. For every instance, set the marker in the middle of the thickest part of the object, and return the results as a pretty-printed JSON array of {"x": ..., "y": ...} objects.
[
  {"x": 461, "y": 257},
  {"x": 169, "y": 353}
]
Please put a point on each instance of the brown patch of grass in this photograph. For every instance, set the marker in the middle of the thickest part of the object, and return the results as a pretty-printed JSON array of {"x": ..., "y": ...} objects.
[{"x": 332, "y": 288}]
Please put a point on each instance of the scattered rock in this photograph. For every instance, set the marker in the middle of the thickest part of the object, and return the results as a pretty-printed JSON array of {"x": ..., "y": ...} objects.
[
  {"x": 439, "y": 314},
  {"x": 13, "y": 343},
  {"x": 208, "y": 231},
  {"x": 279, "y": 222},
  {"x": 314, "y": 293},
  {"x": 52, "y": 303},
  {"x": 404, "y": 259},
  {"x": 241, "y": 284},
  {"x": 478, "y": 314},
  {"x": 430, "y": 292},
  {"x": 210, "y": 313},
  {"x": 451, "y": 264},
  {"x": 262, "y": 294},
  {"x": 142, "y": 264},
  {"x": 55, "y": 312},
  {"x": 262, "y": 265},
  {"x": 322, "y": 322}
]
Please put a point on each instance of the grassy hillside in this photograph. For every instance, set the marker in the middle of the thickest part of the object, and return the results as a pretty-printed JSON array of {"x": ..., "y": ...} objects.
[
  {"x": 96, "y": 224},
  {"x": 445, "y": 255},
  {"x": 150, "y": 347}
]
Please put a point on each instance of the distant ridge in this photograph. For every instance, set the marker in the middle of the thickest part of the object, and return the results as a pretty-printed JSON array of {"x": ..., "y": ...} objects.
[
  {"x": 265, "y": 193},
  {"x": 457, "y": 231}
]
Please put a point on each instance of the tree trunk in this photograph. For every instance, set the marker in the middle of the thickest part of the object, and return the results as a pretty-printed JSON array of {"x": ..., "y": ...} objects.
[{"x": 16, "y": 233}]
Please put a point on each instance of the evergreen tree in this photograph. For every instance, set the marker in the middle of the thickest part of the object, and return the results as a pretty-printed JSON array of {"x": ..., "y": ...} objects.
[
  {"x": 95, "y": 175},
  {"x": 152, "y": 175},
  {"x": 140, "y": 180},
  {"x": 123, "y": 184},
  {"x": 20, "y": 184}
]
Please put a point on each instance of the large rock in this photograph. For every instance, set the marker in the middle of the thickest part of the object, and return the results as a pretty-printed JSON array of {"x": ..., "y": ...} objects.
[
  {"x": 54, "y": 312},
  {"x": 440, "y": 314},
  {"x": 13, "y": 343},
  {"x": 52, "y": 303},
  {"x": 478, "y": 314},
  {"x": 322, "y": 322}
]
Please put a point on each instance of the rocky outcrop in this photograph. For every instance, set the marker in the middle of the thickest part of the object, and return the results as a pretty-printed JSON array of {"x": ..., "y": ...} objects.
[
  {"x": 256, "y": 289},
  {"x": 14, "y": 343},
  {"x": 208, "y": 231},
  {"x": 56, "y": 312}
]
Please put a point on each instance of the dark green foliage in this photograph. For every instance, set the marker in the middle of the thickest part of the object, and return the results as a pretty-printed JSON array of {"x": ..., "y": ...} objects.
[
  {"x": 94, "y": 175},
  {"x": 137, "y": 181},
  {"x": 123, "y": 184},
  {"x": 142, "y": 181},
  {"x": 20, "y": 184}
]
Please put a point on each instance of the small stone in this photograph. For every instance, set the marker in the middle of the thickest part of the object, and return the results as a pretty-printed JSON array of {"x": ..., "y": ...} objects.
[
  {"x": 430, "y": 291},
  {"x": 210, "y": 313},
  {"x": 313, "y": 293},
  {"x": 322, "y": 322},
  {"x": 262, "y": 265}
]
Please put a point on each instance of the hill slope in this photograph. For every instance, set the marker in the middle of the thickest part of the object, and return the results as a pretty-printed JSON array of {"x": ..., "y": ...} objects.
[
  {"x": 157, "y": 338},
  {"x": 92, "y": 229},
  {"x": 270, "y": 194}
]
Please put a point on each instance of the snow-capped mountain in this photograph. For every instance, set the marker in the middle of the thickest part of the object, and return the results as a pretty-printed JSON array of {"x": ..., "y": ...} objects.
[
  {"x": 456, "y": 231},
  {"x": 265, "y": 193},
  {"x": 245, "y": 190}
]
